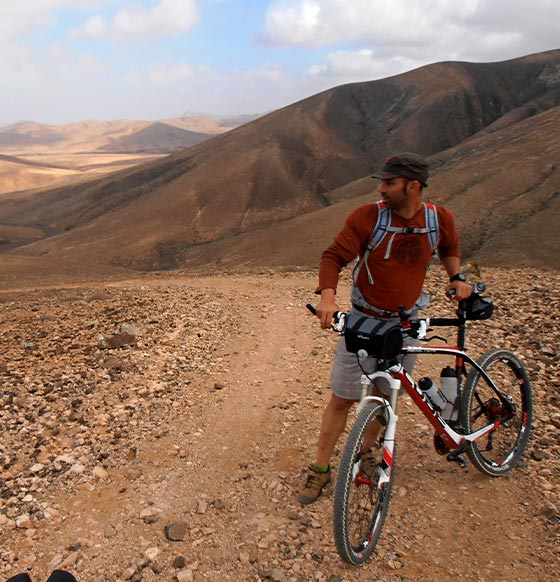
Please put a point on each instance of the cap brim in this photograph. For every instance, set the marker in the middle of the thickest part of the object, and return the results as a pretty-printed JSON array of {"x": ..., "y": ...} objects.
[
  {"x": 384, "y": 176},
  {"x": 390, "y": 176}
]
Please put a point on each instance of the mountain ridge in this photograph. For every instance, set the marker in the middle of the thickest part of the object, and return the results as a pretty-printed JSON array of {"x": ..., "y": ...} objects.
[{"x": 288, "y": 164}]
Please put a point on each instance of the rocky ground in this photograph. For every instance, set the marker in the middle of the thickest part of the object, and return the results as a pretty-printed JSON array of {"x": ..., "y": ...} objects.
[{"x": 157, "y": 429}]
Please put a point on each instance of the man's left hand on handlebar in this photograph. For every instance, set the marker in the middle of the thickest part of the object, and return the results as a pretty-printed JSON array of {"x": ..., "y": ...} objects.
[{"x": 458, "y": 290}]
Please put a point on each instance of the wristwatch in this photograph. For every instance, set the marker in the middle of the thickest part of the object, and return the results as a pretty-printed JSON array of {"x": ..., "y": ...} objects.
[{"x": 458, "y": 277}]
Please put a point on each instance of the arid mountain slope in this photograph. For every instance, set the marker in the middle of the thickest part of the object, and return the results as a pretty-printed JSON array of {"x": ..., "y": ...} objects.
[
  {"x": 288, "y": 163},
  {"x": 27, "y": 137},
  {"x": 506, "y": 203},
  {"x": 81, "y": 151},
  {"x": 156, "y": 138},
  {"x": 22, "y": 174}
]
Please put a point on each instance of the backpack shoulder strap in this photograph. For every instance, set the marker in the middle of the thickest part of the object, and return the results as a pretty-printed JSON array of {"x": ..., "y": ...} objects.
[
  {"x": 377, "y": 235},
  {"x": 430, "y": 212},
  {"x": 381, "y": 226}
]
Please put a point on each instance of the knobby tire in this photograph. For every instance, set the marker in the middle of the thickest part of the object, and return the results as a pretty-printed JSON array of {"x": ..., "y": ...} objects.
[
  {"x": 501, "y": 450},
  {"x": 360, "y": 508}
]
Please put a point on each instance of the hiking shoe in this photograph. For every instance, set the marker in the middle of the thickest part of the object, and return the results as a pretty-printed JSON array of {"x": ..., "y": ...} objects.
[
  {"x": 314, "y": 483},
  {"x": 368, "y": 463}
]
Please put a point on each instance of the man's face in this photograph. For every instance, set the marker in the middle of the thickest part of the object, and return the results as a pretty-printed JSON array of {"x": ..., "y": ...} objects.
[{"x": 394, "y": 192}]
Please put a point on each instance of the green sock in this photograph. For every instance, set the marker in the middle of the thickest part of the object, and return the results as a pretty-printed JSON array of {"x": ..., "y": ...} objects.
[{"x": 321, "y": 468}]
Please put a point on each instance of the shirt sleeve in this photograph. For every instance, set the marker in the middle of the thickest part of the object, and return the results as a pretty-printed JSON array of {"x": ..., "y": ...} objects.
[
  {"x": 347, "y": 245},
  {"x": 448, "y": 245}
]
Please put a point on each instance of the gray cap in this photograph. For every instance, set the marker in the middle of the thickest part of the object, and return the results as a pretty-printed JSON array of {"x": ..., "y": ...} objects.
[{"x": 405, "y": 165}]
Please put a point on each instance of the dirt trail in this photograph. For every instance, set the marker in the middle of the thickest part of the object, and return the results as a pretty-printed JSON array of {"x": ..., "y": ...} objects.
[{"x": 221, "y": 445}]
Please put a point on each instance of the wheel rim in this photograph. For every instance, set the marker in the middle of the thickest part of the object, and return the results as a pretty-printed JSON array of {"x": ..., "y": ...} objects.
[
  {"x": 365, "y": 504},
  {"x": 512, "y": 419}
]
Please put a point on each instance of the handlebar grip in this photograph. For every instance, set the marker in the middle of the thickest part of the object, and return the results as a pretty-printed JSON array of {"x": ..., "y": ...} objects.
[
  {"x": 337, "y": 316},
  {"x": 444, "y": 322}
]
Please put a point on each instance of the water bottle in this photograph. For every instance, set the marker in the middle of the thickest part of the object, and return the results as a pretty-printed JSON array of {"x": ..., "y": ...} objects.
[
  {"x": 448, "y": 387},
  {"x": 433, "y": 393}
]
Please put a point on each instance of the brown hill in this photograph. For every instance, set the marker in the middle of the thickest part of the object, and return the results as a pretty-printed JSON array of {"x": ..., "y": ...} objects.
[
  {"x": 87, "y": 149},
  {"x": 156, "y": 138},
  {"x": 302, "y": 158},
  {"x": 23, "y": 174},
  {"x": 206, "y": 124},
  {"x": 506, "y": 202},
  {"x": 24, "y": 162},
  {"x": 28, "y": 133},
  {"x": 27, "y": 137}
]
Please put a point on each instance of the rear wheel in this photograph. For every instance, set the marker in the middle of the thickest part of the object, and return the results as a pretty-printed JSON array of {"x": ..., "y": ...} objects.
[
  {"x": 362, "y": 497},
  {"x": 498, "y": 451}
]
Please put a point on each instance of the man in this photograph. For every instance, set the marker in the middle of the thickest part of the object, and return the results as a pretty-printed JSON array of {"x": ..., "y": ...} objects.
[{"x": 388, "y": 275}]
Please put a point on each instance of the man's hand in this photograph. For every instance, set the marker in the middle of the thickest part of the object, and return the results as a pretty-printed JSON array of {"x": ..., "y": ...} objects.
[
  {"x": 461, "y": 290},
  {"x": 326, "y": 307}
]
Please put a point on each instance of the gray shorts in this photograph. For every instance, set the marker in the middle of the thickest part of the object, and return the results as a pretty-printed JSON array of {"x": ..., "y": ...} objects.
[{"x": 346, "y": 374}]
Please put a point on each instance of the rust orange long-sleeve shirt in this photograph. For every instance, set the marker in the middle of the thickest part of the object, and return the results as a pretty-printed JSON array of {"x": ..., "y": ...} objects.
[{"x": 397, "y": 280}]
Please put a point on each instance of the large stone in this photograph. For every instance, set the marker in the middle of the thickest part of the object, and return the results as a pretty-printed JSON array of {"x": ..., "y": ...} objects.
[{"x": 177, "y": 531}]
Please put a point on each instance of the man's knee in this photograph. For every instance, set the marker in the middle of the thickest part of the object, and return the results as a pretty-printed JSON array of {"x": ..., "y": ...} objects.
[{"x": 340, "y": 404}]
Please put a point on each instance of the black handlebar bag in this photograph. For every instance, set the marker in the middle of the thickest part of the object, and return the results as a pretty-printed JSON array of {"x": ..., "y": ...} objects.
[
  {"x": 478, "y": 307},
  {"x": 378, "y": 338}
]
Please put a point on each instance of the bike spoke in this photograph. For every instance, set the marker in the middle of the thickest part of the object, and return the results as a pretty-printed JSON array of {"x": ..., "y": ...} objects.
[
  {"x": 361, "y": 496},
  {"x": 511, "y": 410}
]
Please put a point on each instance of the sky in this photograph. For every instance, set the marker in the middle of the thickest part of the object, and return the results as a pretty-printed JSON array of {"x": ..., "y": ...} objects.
[{"x": 69, "y": 60}]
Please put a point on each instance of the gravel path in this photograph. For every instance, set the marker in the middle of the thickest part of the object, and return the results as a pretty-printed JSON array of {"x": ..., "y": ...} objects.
[{"x": 158, "y": 428}]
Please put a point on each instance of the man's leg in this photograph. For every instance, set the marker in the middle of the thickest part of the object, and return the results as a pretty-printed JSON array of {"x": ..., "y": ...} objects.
[{"x": 332, "y": 425}]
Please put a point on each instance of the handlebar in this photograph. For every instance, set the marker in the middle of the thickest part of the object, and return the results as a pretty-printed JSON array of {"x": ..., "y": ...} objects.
[
  {"x": 476, "y": 288},
  {"x": 339, "y": 318},
  {"x": 416, "y": 328}
]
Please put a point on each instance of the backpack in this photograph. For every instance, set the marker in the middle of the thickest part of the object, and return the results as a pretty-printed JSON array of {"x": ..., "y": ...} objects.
[{"x": 380, "y": 230}]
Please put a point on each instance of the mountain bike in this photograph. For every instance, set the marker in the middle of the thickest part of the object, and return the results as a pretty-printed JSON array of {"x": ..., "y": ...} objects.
[{"x": 489, "y": 419}]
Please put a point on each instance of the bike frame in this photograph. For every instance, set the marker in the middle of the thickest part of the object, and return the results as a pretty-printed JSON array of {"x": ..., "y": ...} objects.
[{"x": 398, "y": 377}]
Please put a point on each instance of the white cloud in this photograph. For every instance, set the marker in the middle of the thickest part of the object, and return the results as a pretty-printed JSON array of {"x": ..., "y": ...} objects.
[
  {"x": 376, "y": 38},
  {"x": 170, "y": 74},
  {"x": 95, "y": 27},
  {"x": 269, "y": 73},
  {"x": 164, "y": 18},
  {"x": 353, "y": 66},
  {"x": 351, "y": 63},
  {"x": 22, "y": 15},
  {"x": 323, "y": 22},
  {"x": 178, "y": 74},
  {"x": 435, "y": 30},
  {"x": 18, "y": 65},
  {"x": 74, "y": 66},
  {"x": 294, "y": 22}
]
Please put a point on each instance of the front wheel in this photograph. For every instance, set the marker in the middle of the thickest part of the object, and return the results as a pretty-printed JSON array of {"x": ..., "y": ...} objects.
[
  {"x": 510, "y": 409},
  {"x": 363, "y": 486}
]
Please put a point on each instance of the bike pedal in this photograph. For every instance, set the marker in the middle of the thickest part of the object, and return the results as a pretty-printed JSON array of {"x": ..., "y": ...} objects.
[{"x": 457, "y": 458}]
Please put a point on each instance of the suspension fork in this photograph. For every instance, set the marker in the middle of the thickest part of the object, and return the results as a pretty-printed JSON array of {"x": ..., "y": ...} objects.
[{"x": 388, "y": 442}]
